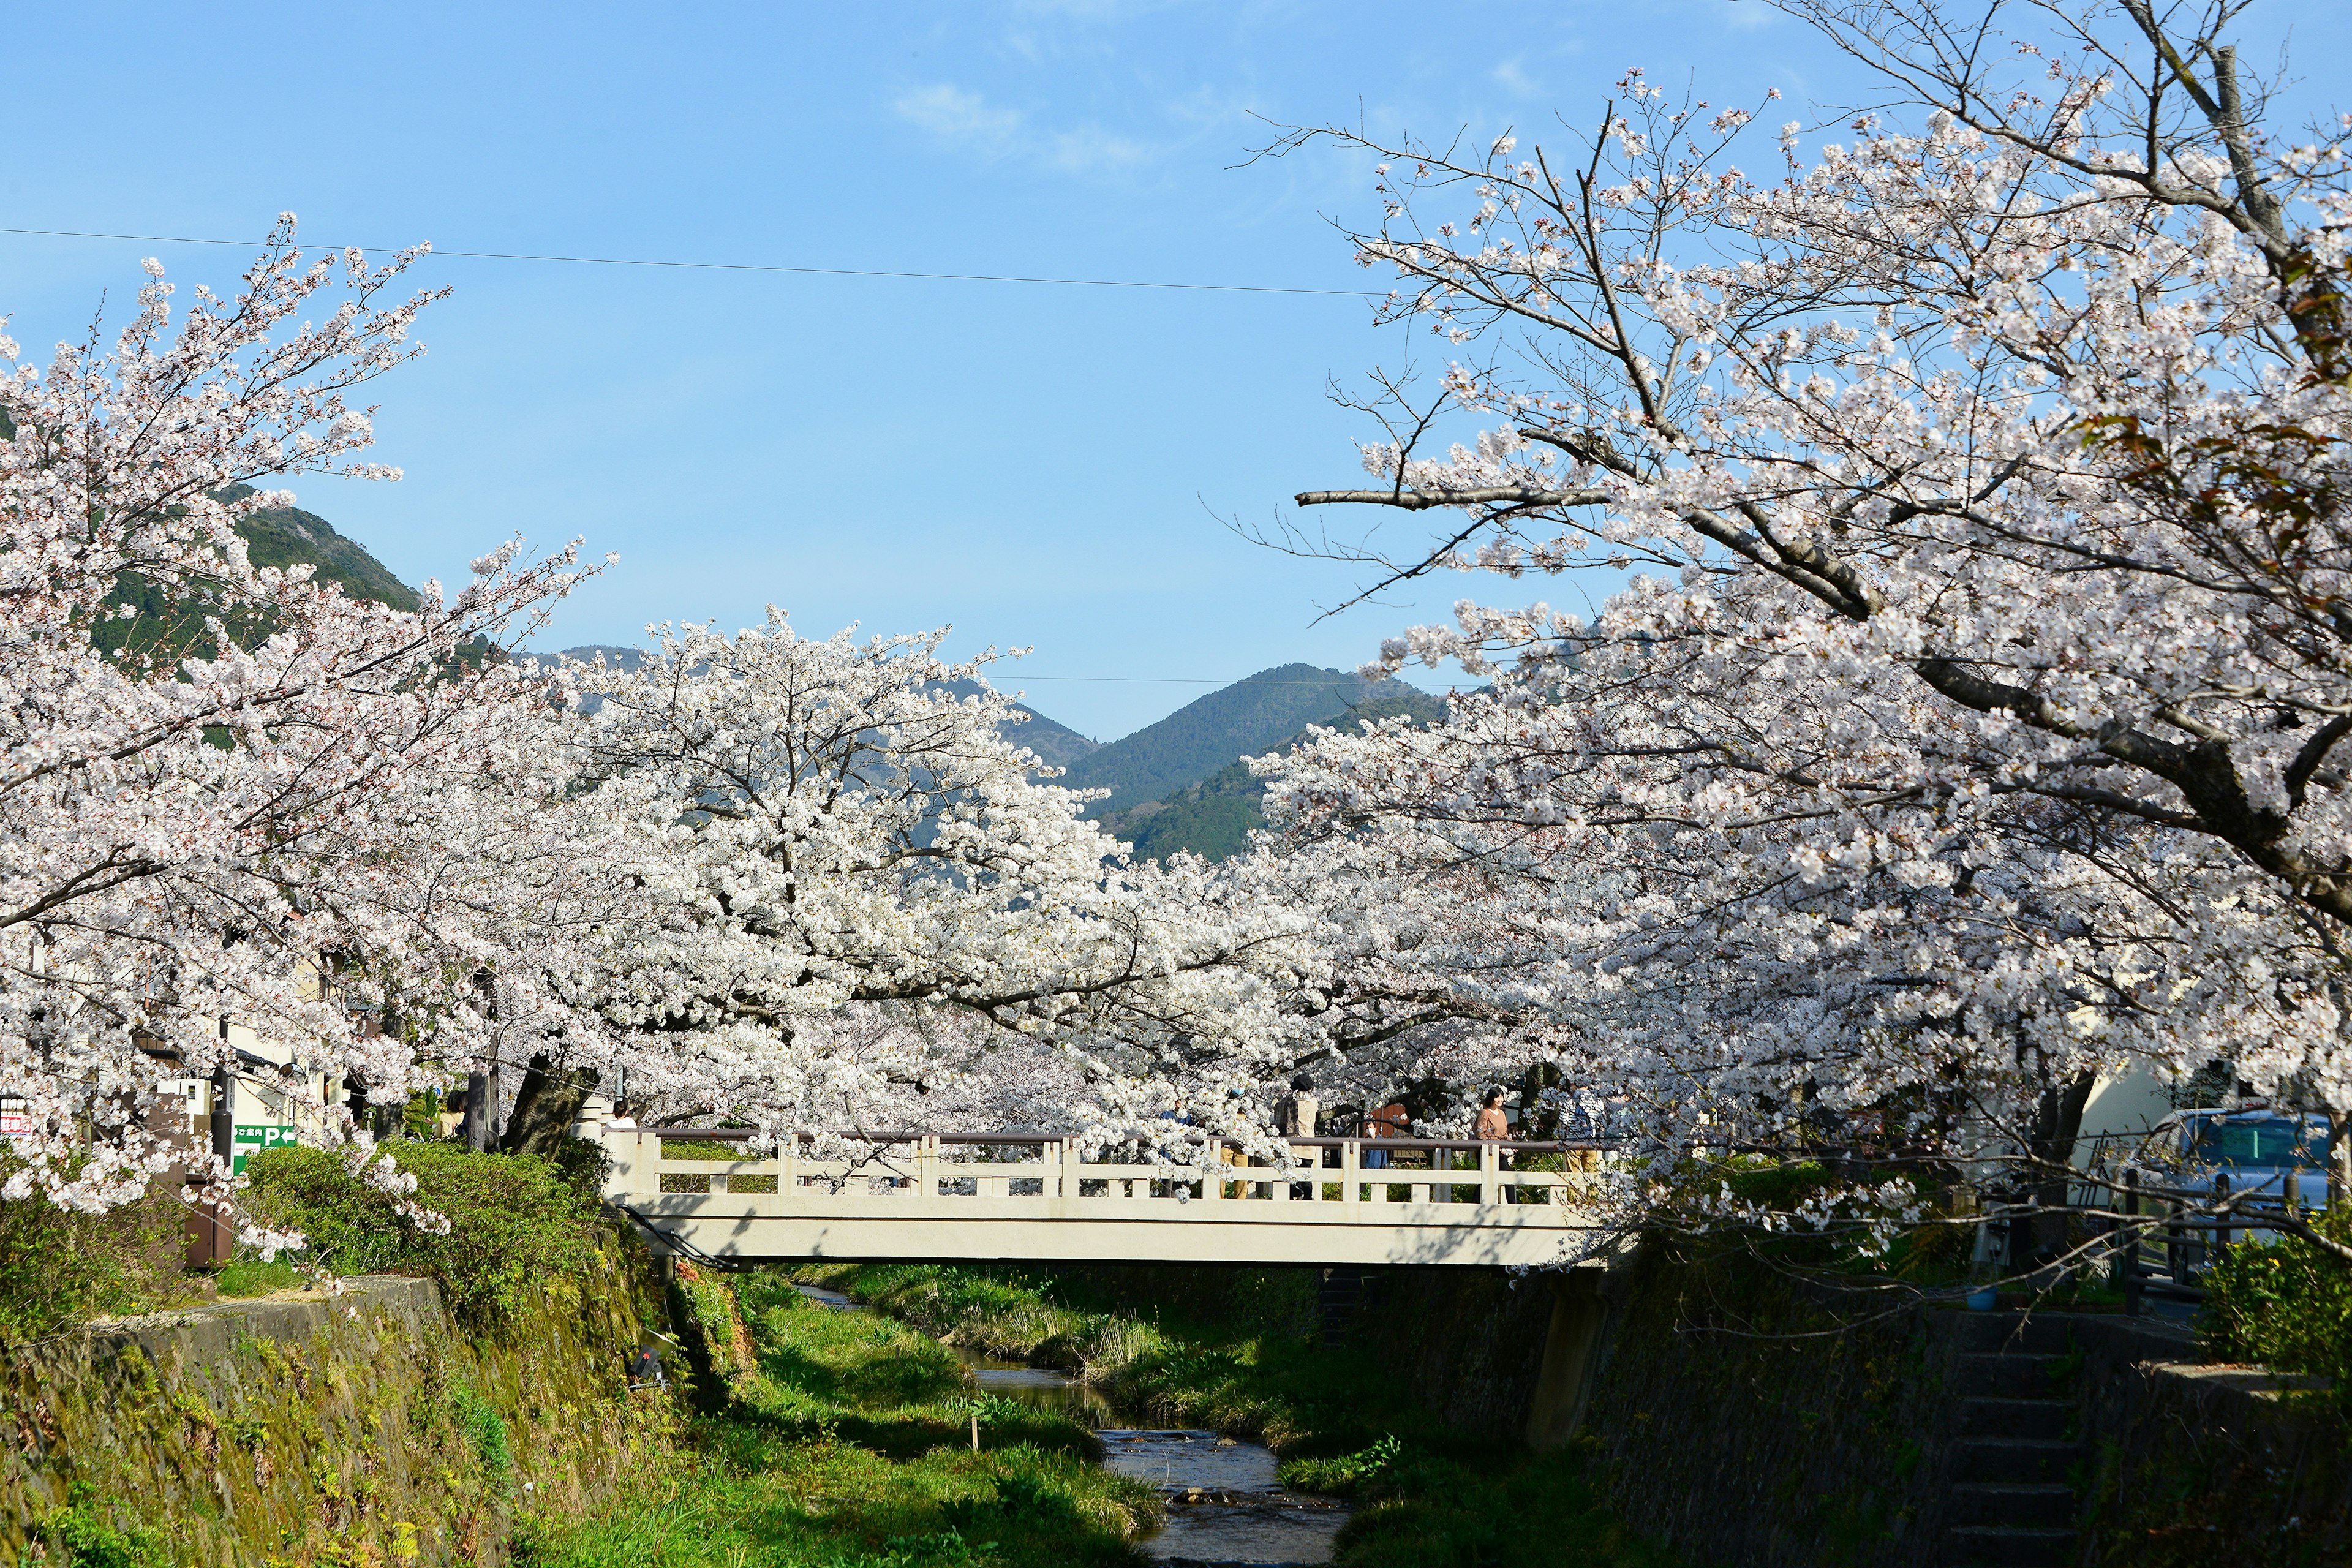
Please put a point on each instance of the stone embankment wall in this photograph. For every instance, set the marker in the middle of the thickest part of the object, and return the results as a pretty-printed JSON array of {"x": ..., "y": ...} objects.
[
  {"x": 2215, "y": 1463},
  {"x": 360, "y": 1428},
  {"x": 1906, "y": 1440},
  {"x": 1468, "y": 1343},
  {"x": 1738, "y": 1420}
]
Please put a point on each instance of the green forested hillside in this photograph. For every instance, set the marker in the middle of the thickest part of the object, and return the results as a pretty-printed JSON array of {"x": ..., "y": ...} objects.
[
  {"x": 287, "y": 536},
  {"x": 1244, "y": 719},
  {"x": 290, "y": 536},
  {"x": 1215, "y": 816}
]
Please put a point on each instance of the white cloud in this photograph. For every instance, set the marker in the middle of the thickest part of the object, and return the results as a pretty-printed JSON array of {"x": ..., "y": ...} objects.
[
  {"x": 1512, "y": 80},
  {"x": 956, "y": 114},
  {"x": 1092, "y": 149},
  {"x": 967, "y": 123}
]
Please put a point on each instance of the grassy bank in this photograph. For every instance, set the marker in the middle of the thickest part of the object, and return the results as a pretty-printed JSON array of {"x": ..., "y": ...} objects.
[
  {"x": 847, "y": 1444},
  {"x": 1241, "y": 1357}
]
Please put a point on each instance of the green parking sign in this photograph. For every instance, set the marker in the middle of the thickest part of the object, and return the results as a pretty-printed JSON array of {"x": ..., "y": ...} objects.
[{"x": 253, "y": 1137}]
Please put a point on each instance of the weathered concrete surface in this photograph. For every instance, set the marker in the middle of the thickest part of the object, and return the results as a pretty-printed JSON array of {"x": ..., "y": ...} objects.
[
  {"x": 2216, "y": 1464},
  {"x": 355, "y": 1429}
]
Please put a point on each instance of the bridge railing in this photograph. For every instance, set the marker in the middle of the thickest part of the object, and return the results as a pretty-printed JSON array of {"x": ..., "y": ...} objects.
[{"x": 1426, "y": 1181}]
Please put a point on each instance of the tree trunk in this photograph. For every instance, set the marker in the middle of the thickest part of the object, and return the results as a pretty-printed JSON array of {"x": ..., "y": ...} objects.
[
  {"x": 546, "y": 1105},
  {"x": 2056, "y": 1125}
]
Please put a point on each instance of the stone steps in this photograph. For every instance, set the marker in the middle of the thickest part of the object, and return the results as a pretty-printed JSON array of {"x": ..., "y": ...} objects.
[
  {"x": 1998, "y": 1418},
  {"x": 1981, "y": 1504},
  {"x": 2012, "y": 1503},
  {"x": 2015, "y": 1462},
  {"x": 2013, "y": 1375},
  {"x": 2007, "y": 1546}
]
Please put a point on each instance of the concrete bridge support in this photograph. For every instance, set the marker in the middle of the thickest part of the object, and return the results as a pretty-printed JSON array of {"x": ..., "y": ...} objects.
[{"x": 1571, "y": 1358}]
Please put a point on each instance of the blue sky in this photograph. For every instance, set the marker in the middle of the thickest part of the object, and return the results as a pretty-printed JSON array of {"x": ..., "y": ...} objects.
[{"x": 1039, "y": 465}]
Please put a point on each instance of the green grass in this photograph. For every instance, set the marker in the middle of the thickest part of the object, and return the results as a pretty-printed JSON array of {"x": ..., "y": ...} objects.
[
  {"x": 251, "y": 1277},
  {"x": 1240, "y": 1359},
  {"x": 849, "y": 1445},
  {"x": 1236, "y": 1354},
  {"x": 1422, "y": 1509}
]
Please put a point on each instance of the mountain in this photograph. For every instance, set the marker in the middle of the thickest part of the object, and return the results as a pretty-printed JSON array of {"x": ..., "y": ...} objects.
[
  {"x": 282, "y": 537},
  {"x": 1244, "y": 720},
  {"x": 289, "y": 536},
  {"x": 1214, "y": 818},
  {"x": 1057, "y": 745},
  {"x": 1178, "y": 784},
  {"x": 614, "y": 655}
]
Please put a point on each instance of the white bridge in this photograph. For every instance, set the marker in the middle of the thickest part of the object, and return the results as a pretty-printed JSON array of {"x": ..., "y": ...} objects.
[{"x": 1021, "y": 1197}]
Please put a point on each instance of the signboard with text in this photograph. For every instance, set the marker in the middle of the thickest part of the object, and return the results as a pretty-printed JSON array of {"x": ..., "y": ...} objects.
[{"x": 253, "y": 1137}]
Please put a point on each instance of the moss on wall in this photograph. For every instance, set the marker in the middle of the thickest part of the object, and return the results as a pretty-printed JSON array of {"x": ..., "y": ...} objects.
[
  {"x": 358, "y": 1429},
  {"x": 1737, "y": 1412},
  {"x": 2225, "y": 1464}
]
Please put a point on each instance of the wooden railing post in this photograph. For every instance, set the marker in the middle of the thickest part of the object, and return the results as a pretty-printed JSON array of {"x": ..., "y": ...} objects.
[
  {"x": 788, "y": 1176},
  {"x": 927, "y": 1170},
  {"x": 1350, "y": 1153},
  {"x": 1490, "y": 1174}
]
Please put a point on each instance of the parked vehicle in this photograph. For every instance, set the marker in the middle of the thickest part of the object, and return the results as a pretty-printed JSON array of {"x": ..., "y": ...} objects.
[{"x": 2253, "y": 1149}]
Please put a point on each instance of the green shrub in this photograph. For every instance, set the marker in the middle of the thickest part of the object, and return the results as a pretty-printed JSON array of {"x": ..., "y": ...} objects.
[
  {"x": 84, "y": 1538},
  {"x": 2286, "y": 1304},
  {"x": 59, "y": 1267},
  {"x": 514, "y": 1220},
  {"x": 1340, "y": 1476}
]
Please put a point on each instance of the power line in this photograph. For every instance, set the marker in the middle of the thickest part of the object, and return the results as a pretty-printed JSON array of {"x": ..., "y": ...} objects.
[{"x": 746, "y": 266}]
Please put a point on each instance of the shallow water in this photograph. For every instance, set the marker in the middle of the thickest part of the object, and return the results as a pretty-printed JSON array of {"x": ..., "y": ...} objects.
[
  {"x": 1225, "y": 1505},
  {"x": 833, "y": 1298},
  {"x": 1242, "y": 1514}
]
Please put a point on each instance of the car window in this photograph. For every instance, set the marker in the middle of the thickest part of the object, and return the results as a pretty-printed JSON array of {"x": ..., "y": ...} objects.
[{"x": 2274, "y": 1140}]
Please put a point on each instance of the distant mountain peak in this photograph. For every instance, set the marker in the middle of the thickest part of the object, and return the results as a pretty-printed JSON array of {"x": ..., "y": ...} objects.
[{"x": 1249, "y": 718}]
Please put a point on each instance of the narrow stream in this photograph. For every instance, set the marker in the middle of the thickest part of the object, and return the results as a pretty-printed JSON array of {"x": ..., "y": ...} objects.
[{"x": 1225, "y": 1505}]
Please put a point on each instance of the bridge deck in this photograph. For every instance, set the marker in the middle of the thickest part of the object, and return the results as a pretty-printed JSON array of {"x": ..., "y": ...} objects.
[{"x": 914, "y": 1197}]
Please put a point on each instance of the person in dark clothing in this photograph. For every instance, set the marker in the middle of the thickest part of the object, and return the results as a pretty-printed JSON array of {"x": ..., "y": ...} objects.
[{"x": 1293, "y": 1117}]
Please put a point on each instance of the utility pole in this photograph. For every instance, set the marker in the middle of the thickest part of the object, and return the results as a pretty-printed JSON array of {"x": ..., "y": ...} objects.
[{"x": 219, "y": 1242}]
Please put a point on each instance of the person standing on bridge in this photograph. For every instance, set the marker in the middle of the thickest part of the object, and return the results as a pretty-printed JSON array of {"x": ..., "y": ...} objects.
[
  {"x": 1495, "y": 1124},
  {"x": 1388, "y": 1121},
  {"x": 1494, "y": 1121},
  {"x": 1293, "y": 1117}
]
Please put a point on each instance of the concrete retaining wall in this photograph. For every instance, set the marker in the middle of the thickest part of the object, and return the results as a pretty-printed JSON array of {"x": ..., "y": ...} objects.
[{"x": 355, "y": 1429}]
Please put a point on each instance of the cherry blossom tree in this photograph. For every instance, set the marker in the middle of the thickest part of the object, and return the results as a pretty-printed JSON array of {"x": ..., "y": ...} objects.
[
  {"x": 848, "y": 881},
  {"x": 199, "y": 806},
  {"x": 1971, "y": 728}
]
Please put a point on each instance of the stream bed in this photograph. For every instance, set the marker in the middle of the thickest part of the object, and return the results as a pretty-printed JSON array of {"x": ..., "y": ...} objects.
[{"x": 1225, "y": 1506}]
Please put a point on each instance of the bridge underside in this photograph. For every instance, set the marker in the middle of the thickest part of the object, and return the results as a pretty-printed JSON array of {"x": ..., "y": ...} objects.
[{"x": 744, "y": 1227}]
